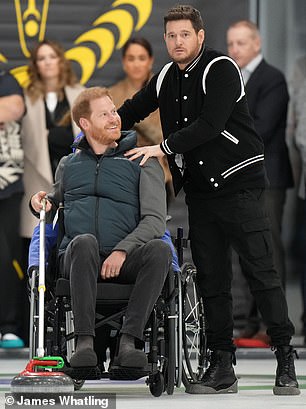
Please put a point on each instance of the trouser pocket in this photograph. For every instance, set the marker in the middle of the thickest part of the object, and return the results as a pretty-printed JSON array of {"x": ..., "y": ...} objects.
[{"x": 257, "y": 238}]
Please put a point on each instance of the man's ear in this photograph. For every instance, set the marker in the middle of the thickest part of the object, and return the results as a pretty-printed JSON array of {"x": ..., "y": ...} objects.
[
  {"x": 84, "y": 123},
  {"x": 201, "y": 35}
]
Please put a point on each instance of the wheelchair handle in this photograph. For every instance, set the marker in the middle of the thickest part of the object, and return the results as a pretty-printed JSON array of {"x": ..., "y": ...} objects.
[{"x": 54, "y": 362}]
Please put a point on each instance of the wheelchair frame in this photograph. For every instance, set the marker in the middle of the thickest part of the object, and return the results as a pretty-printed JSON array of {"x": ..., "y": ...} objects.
[{"x": 174, "y": 336}]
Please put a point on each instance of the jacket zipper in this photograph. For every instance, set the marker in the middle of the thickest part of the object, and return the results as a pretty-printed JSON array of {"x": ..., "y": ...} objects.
[{"x": 97, "y": 200}]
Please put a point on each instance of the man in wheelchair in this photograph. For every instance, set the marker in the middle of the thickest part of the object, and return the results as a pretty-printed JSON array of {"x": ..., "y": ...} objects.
[{"x": 114, "y": 217}]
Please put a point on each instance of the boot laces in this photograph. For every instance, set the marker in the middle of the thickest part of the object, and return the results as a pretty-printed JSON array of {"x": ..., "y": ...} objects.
[
  {"x": 214, "y": 359},
  {"x": 285, "y": 361},
  {"x": 211, "y": 359}
]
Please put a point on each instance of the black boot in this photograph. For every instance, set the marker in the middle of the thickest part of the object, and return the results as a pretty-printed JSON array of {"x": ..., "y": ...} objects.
[
  {"x": 128, "y": 355},
  {"x": 219, "y": 377},
  {"x": 285, "y": 381}
]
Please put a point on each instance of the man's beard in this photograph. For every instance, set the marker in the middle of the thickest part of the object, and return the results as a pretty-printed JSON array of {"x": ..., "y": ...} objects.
[
  {"x": 185, "y": 59},
  {"x": 100, "y": 136},
  {"x": 182, "y": 60}
]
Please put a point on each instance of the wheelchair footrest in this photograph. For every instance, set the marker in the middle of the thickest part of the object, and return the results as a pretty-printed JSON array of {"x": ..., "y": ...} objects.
[
  {"x": 84, "y": 373},
  {"x": 123, "y": 373}
]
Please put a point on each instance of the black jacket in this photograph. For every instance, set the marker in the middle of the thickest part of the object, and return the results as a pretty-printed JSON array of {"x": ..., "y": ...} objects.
[
  {"x": 205, "y": 117},
  {"x": 268, "y": 97}
]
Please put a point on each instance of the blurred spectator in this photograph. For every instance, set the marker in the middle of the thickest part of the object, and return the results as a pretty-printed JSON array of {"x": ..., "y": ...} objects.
[
  {"x": 267, "y": 96},
  {"x": 296, "y": 139},
  {"x": 11, "y": 190},
  {"x": 47, "y": 130},
  {"x": 137, "y": 62}
]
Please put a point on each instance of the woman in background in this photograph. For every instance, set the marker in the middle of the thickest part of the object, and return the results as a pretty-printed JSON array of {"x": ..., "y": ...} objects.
[
  {"x": 47, "y": 131},
  {"x": 137, "y": 62}
]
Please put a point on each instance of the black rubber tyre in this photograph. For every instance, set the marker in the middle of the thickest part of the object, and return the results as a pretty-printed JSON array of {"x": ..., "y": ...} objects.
[
  {"x": 170, "y": 334},
  {"x": 77, "y": 384},
  {"x": 179, "y": 330},
  {"x": 194, "y": 339},
  {"x": 156, "y": 384},
  {"x": 171, "y": 357}
]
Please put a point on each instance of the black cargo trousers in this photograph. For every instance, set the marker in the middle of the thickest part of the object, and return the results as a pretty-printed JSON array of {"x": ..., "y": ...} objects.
[
  {"x": 147, "y": 267},
  {"x": 238, "y": 220}
]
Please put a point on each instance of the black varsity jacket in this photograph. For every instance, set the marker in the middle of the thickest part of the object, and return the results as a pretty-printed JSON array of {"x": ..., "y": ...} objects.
[{"x": 204, "y": 116}]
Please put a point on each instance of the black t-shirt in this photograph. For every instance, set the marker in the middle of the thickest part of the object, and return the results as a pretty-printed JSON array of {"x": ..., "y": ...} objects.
[
  {"x": 60, "y": 137},
  {"x": 9, "y": 85}
]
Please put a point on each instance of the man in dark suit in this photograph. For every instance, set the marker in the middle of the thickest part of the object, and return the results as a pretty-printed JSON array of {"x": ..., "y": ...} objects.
[{"x": 267, "y": 96}]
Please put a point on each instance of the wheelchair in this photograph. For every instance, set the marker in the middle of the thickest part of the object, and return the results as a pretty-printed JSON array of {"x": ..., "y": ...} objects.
[{"x": 174, "y": 337}]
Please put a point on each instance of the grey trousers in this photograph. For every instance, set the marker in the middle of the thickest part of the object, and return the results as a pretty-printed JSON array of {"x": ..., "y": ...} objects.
[{"x": 146, "y": 267}]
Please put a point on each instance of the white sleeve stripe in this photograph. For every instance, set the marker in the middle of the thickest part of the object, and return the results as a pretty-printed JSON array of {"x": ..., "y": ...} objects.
[
  {"x": 166, "y": 147},
  {"x": 233, "y": 62},
  {"x": 161, "y": 77}
]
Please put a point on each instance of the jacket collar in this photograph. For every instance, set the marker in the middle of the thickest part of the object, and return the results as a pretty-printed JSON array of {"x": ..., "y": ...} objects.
[
  {"x": 252, "y": 65},
  {"x": 194, "y": 62},
  {"x": 127, "y": 141}
]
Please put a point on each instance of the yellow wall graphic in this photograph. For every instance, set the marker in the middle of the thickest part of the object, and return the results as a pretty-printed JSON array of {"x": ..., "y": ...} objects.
[
  {"x": 32, "y": 17},
  {"x": 31, "y": 23}
]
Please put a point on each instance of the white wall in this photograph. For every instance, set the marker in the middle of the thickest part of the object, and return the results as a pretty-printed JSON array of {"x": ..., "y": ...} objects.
[{"x": 283, "y": 29}]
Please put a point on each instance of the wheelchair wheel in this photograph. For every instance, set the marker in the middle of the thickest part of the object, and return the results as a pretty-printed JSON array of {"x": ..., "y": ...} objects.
[
  {"x": 170, "y": 353},
  {"x": 179, "y": 330},
  {"x": 77, "y": 384},
  {"x": 170, "y": 336},
  {"x": 194, "y": 340},
  {"x": 156, "y": 384}
]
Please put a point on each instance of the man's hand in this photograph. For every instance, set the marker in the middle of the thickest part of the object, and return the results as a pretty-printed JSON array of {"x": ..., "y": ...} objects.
[
  {"x": 146, "y": 151},
  {"x": 112, "y": 265},
  {"x": 36, "y": 201}
]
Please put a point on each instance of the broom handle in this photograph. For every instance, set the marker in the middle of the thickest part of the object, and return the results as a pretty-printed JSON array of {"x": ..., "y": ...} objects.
[{"x": 41, "y": 283}]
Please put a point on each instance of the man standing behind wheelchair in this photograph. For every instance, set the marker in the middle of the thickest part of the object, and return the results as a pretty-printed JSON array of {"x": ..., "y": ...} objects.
[
  {"x": 216, "y": 155},
  {"x": 114, "y": 217}
]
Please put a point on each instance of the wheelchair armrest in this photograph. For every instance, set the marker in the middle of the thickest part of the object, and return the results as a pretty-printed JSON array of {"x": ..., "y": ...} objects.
[{"x": 31, "y": 269}]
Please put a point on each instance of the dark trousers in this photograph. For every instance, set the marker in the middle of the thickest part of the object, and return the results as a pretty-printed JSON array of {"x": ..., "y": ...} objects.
[
  {"x": 303, "y": 286},
  {"x": 275, "y": 202},
  {"x": 147, "y": 267},
  {"x": 12, "y": 284},
  {"x": 238, "y": 220}
]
